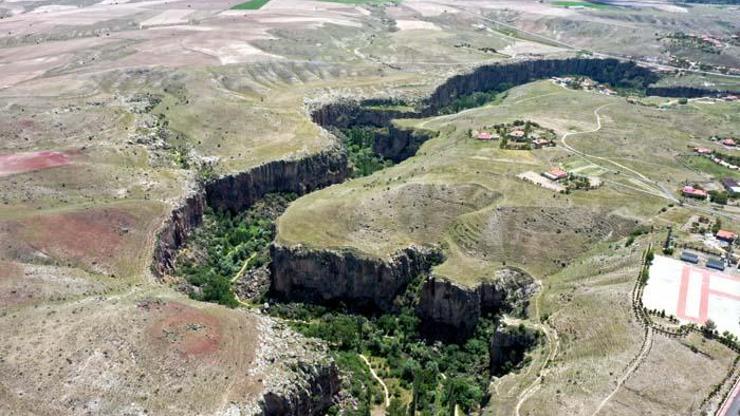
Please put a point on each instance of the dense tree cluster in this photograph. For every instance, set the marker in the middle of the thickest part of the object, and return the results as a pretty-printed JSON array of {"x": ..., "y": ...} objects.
[
  {"x": 359, "y": 144},
  {"x": 438, "y": 376},
  {"x": 225, "y": 242}
]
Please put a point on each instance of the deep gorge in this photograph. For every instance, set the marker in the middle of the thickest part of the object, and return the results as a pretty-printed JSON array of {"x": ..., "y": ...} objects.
[{"x": 332, "y": 277}]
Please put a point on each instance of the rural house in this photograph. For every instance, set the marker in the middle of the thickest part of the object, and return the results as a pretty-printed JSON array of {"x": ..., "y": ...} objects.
[
  {"x": 555, "y": 174},
  {"x": 691, "y": 192}
]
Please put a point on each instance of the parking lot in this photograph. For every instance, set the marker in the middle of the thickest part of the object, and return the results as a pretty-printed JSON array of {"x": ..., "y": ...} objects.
[{"x": 694, "y": 293}]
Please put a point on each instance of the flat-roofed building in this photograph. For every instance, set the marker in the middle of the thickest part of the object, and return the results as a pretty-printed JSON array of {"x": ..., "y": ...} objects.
[{"x": 690, "y": 257}]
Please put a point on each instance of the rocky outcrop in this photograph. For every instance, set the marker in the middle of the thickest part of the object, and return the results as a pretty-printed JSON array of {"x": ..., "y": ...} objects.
[
  {"x": 253, "y": 284},
  {"x": 508, "y": 346},
  {"x": 310, "y": 396},
  {"x": 399, "y": 144},
  {"x": 239, "y": 191},
  {"x": 451, "y": 311},
  {"x": 344, "y": 276},
  {"x": 175, "y": 231},
  {"x": 352, "y": 113}
]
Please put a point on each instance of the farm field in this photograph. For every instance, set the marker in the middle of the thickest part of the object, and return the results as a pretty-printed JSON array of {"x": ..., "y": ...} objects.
[{"x": 250, "y": 5}]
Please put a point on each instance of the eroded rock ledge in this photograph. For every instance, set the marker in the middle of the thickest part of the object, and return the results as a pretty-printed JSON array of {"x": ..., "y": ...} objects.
[{"x": 298, "y": 377}]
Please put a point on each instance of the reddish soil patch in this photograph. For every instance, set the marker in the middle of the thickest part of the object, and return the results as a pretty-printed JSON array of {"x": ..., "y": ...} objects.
[
  {"x": 12, "y": 291},
  {"x": 187, "y": 330},
  {"x": 97, "y": 235},
  {"x": 9, "y": 271},
  {"x": 27, "y": 162}
]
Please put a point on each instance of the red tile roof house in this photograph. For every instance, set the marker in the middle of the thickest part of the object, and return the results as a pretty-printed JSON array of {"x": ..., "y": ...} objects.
[
  {"x": 725, "y": 235},
  {"x": 728, "y": 142},
  {"x": 484, "y": 135},
  {"x": 692, "y": 192},
  {"x": 555, "y": 174}
]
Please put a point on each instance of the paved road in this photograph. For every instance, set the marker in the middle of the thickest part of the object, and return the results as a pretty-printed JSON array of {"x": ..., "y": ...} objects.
[{"x": 732, "y": 406}]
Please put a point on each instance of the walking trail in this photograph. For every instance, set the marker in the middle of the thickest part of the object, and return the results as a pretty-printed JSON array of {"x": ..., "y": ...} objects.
[
  {"x": 378, "y": 379},
  {"x": 646, "y": 345}
]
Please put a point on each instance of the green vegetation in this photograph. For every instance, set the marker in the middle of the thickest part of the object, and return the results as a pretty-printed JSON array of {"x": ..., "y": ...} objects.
[
  {"x": 707, "y": 166},
  {"x": 219, "y": 249},
  {"x": 369, "y": 2},
  {"x": 719, "y": 197},
  {"x": 417, "y": 364},
  {"x": 250, "y": 5},
  {"x": 580, "y": 4},
  {"x": 359, "y": 144},
  {"x": 388, "y": 105},
  {"x": 476, "y": 99}
]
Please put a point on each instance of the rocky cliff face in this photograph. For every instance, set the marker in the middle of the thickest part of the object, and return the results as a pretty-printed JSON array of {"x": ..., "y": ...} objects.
[
  {"x": 331, "y": 277},
  {"x": 183, "y": 220},
  {"x": 400, "y": 144},
  {"x": 491, "y": 77},
  {"x": 390, "y": 142},
  {"x": 311, "y": 395},
  {"x": 508, "y": 346},
  {"x": 451, "y": 311},
  {"x": 239, "y": 191}
]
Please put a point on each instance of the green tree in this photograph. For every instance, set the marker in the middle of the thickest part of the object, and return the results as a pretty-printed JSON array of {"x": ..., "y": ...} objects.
[
  {"x": 709, "y": 328},
  {"x": 396, "y": 408}
]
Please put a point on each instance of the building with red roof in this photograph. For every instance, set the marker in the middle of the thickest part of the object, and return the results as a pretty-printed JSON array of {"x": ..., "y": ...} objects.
[
  {"x": 555, "y": 174},
  {"x": 692, "y": 192},
  {"x": 484, "y": 135},
  {"x": 725, "y": 235},
  {"x": 728, "y": 142}
]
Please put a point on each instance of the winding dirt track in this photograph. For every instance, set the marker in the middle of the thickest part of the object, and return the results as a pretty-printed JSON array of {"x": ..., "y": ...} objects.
[
  {"x": 378, "y": 379},
  {"x": 647, "y": 344},
  {"x": 553, "y": 342}
]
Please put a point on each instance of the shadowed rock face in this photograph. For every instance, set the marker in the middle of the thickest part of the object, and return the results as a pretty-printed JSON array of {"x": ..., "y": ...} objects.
[
  {"x": 331, "y": 277},
  {"x": 175, "y": 232},
  {"x": 451, "y": 312},
  {"x": 310, "y": 398},
  {"x": 238, "y": 192},
  {"x": 490, "y": 77},
  {"x": 508, "y": 346}
]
